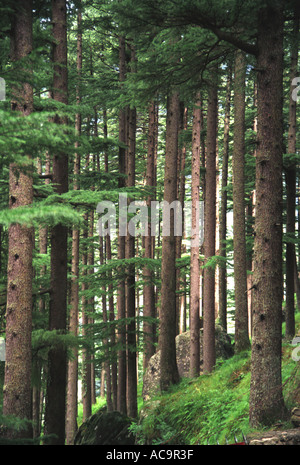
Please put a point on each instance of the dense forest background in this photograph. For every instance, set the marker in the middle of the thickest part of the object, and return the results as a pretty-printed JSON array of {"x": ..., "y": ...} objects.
[{"x": 146, "y": 101}]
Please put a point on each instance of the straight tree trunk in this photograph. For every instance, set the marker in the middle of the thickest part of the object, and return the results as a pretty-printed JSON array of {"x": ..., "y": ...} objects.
[
  {"x": 17, "y": 382},
  {"x": 106, "y": 364},
  {"x": 111, "y": 307},
  {"x": 57, "y": 363},
  {"x": 239, "y": 233},
  {"x": 86, "y": 356},
  {"x": 149, "y": 295},
  {"x": 130, "y": 281},
  {"x": 266, "y": 399},
  {"x": 195, "y": 246},
  {"x": 182, "y": 296},
  {"x": 290, "y": 171},
  {"x": 209, "y": 357},
  {"x": 72, "y": 394},
  {"x": 167, "y": 333},
  {"x": 223, "y": 211},
  {"x": 121, "y": 304}
]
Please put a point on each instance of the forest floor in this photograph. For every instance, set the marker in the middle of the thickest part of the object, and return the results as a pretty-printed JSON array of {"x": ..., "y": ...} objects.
[{"x": 214, "y": 409}]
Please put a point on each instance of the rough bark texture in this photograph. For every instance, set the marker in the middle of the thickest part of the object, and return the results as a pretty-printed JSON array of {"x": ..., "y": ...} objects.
[
  {"x": 210, "y": 232},
  {"x": 266, "y": 400},
  {"x": 57, "y": 369},
  {"x": 121, "y": 305},
  {"x": 291, "y": 190},
  {"x": 149, "y": 295},
  {"x": 71, "y": 413},
  {"x": 223, "y": 210},
  {"x": 195, "y": 245},
  {"x": 130, "y": 281},
  {"x": 167, "y": 333},
  {"x": 17, "y": 383},
  {"x": 239, "y": 234}
]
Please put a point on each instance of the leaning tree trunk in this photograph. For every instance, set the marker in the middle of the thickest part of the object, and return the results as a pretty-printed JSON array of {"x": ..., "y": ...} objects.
[
  {"x": 17, "y": 383},
  {"x": 266, "y": 399}
]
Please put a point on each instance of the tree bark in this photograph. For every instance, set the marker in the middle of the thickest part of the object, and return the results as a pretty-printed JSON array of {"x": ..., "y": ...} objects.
[
  {"x": 195, "y": 246},
  {"x": 17, "y": 382},
  {"x": 239, "y": 233},
  {"x": 209, "y": 357},
  {"x": 223, "y": 210},
  {"x": 57, "y": 369},
  {"x": 266, "y": 399},
  {"x": 72, "y": 394},
  {"x": 130, "y": 282},
  {"x": 149, "y": 295},
  {"x": 167, "y": 333},
  {"x": 290, "y": 173},
  {"x": 121, "y": 304}
]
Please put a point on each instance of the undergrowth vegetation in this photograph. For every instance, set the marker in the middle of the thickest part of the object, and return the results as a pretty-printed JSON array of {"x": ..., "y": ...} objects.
[{"x": 212, "y": 408}]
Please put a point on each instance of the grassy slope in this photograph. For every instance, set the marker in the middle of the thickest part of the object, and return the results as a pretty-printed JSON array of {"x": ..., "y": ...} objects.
[{"x": 214, "y": 407}]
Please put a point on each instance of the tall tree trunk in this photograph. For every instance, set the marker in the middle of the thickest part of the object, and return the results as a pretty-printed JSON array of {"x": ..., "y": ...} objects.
[
  {"x": 167, "y": 333},
  {"x": 290, "y": 171},
  {"x": 56, "y": 388},
  {"x": 86, "y": 356},
  {"x": 130, "y": 281},
  {"x": 209, "y": 357},
  {"x": 72, "y": 394},
  {"x": 181, "y": 246},
  {"x": 106, "y": 364},
  {"x": 17, "y": 383},
  {"x": 239, "y": 234},
  {"x": 195, "y": 246},
  {"x": 111, "y": 307},
  {"x": 149, "y": 295},
  {"x": 266, "y": 399},
  {"x": 121, "y": 308},
  {"x": 223, "y": 210}
]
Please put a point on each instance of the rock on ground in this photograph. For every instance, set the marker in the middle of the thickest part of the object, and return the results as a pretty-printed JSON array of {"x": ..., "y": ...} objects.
[
  {"x": 105, "y": 428},
  {"x": 224, "y": 349},
  {"x": 277, "y": 438}
]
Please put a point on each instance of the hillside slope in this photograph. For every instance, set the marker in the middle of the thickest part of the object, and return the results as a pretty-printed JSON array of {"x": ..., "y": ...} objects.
[{"x": 213, "y": 408}]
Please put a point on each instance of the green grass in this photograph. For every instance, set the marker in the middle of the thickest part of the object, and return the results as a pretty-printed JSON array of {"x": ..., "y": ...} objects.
[
  {"x": 100, "y": 402},
  {"x": 213, "y": 407}
]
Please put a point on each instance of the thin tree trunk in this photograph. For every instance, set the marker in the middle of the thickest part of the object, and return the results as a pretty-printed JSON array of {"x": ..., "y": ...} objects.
[
  {"x": 121, "y": 309},
  {"x": 239, "y": 233},
  {"x": 111, "y": 308},
  {"x": 195, "y": 246},
  {"x": 291, "y": 190},
  {"x": 223, "y": 212},
  {"x": 209, "y": 357},
  {"x": 167, "y": 333},
  {"x": 86, "y": 356},
  {"x": 181, "y": 245},
  {"x": 72, "y": 394},
  {"x": 17, "y": 383},
  {"x": 130, "y": 281},
  {"x": 106, "y": 364},
  {"x": 149, "y": 295},
  {"x": 266, "y": 399}
]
